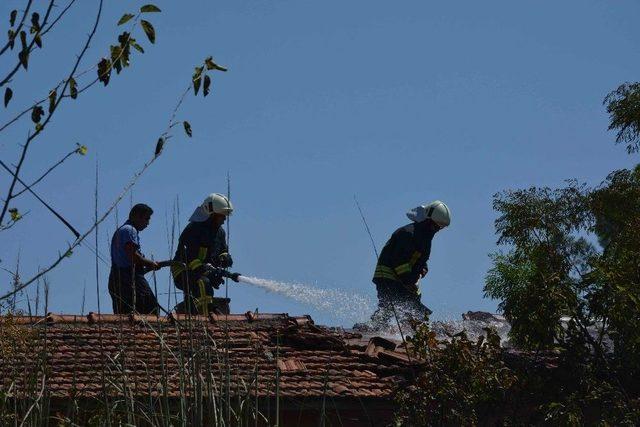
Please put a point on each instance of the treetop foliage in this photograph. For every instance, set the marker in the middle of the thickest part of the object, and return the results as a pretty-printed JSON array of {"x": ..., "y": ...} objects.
[{"x": 623, "y": 106}]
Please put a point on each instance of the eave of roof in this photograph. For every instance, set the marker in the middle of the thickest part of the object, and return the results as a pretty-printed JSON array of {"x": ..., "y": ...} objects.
[{"x": 87, "y": 355}]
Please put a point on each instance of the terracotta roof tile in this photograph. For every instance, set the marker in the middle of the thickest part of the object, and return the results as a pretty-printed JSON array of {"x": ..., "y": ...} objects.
[{"x": 82, "y": 353}]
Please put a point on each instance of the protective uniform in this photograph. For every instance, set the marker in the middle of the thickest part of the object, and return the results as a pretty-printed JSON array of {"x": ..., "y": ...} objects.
[
  {"x": 403, "y": 261},
  {"x": 400, "y": 265},
  {"x": 202, "y": 245},
  {"x": 199, "y": 244}
]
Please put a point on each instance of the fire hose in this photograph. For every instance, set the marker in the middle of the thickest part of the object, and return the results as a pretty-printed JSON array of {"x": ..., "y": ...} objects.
[{"x": 209, "y": 272}]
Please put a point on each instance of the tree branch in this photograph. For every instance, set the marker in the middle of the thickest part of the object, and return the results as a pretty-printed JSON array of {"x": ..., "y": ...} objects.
[
  {"x": 24, "y": 15},
  {"x": 55, "y": 21},
  {"x": 80, "y": 239},
  {"x": 19, "y": 287},
  {"x": 48, "y": 171},
  {"x": 77, "y": 76},
  {"x": 44, "y": 124},
  {"x": 7, "y": 79},
  {"x": 46, "y": 205}
]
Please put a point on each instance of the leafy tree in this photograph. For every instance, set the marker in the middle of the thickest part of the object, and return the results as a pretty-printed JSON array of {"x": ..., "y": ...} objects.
[
  {"x": 460, "y": 382},
  {"x": 623, "y": 106},
  {"x": 568, "y": 278},
  {"x": 614, "y": 281},
  {"x": 538, "y": 280}
]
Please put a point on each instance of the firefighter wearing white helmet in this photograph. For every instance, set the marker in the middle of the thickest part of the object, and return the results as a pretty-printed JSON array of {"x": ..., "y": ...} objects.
[
  {"x": 403, "y": 262},
  {"x": 202, "y": 243}
]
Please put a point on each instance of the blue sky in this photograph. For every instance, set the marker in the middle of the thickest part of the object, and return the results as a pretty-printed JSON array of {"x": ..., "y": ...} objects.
[{"x": 397, "y": 103}]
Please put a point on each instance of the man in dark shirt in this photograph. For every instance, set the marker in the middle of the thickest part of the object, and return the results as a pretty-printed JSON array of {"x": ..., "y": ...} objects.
[
  {"x": 403, "y": 262},
  {"x": 202, "y": 244},
  {"x": 128, "y": 288}
]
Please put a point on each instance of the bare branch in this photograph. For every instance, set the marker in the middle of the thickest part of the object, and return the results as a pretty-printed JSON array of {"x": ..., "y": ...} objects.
[
  {"x": 48, "y": 171},
  {"x": 55, "y": 21},
  {"x": 13, "y": 222},
  {"x": 80, "y": 239},
  {"x": 46, "y": 205}
]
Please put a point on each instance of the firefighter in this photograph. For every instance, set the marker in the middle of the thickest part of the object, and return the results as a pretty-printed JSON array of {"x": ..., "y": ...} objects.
[
  {"x": 202, "y": 245},
  {"x": 128, "y": 288},
  {"x": 403, "y": 262}
]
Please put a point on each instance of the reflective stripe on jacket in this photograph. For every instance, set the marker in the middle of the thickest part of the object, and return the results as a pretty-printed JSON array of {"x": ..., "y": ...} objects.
[
  {"x": 199, "y": 244},
  {"x": 405, "y": 255}
]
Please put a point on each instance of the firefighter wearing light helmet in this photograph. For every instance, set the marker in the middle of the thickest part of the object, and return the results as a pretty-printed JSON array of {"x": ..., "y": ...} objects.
[
  {"x": 202, "y": 244},
  {"x": 403, "y": 262}
]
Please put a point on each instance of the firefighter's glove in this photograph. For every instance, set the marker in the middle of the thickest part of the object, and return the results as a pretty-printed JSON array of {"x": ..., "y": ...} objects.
[
  {"x": 212, "y": 279},
  {"x": 424, "y": 271},
  {"x": 225, "y": 260},
  {"x": 216, "y": 282},
  {"x": 207, "y": 269}
]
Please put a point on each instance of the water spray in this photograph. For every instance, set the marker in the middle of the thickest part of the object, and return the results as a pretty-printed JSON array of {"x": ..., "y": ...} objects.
[{"x": 338, "y": 303}]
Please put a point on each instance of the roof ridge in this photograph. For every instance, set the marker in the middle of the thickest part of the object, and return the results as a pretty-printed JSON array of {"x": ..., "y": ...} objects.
[{"x": 93, "y": 317}]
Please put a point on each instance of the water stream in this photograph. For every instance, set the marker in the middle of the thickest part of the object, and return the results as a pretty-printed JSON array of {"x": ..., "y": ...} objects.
[
  {"x": 344, "y": 307},
  {"x": 350, "y": 308}
]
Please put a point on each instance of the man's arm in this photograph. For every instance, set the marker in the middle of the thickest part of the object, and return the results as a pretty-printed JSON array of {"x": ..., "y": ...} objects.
[
  {"x": 407, "y": 265},
  {"x": 220, "y": 256},
  {"x": 136, "y": 258}
]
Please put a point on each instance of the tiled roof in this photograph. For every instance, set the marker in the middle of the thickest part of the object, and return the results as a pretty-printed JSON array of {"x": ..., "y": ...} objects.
[{"x": 142, "y": 354}]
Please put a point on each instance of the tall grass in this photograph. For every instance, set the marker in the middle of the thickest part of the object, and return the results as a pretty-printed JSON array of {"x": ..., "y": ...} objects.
[{"x": 193, "y": 382}]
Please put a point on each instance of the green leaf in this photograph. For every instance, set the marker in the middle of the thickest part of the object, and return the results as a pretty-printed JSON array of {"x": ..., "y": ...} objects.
[
  {"x": 38, "y": 127},
  {"x": 159, "y": 146},
  {"x": 73, "y": 88},
  {"x": 116, "y": 56},
  {"x": 68, "y": 253},
  {"x": 187, "y": 128},
  {"x": 23, "y": 40},
  {"x": 125, "y": 18},
  {"x": 36, "y": 114},
  {"x": 23, "y": 55},
  {"x": 82, "y": 149},
  {"x": 104, "y": 71},
  {"x": 12, "y": 38},
  {"x": 148, "y": 30},
  {"x": 12, "y": 17},
  {"x": 149, "y": 8},
  {"x": 197, "y": 79},
  {"x": 52, "y": 100},
  {"x": 15, "y": 215},
  {"x": 206, "y": 85},
  {"x": 212, "y": 65},
  {"x": 35, "y": 22},
  {"x": 136, "y": 46},
  {"x": 38, "y": 40},
  {"x": 8, "y": 94}
]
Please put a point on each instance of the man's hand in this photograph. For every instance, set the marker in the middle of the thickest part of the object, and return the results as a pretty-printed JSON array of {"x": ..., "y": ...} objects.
[
  {"x": 225, "y": 260},
  {"x": 424, "y": 272},
  {"x": 152, "y": 265},
  {"x": 217, "y": 282}
]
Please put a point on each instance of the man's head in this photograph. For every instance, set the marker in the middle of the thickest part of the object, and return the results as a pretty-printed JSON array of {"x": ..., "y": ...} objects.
[
  {"x": 140, "y": 215},
  {"x": 436, "y": 214},
  {"x": 218, "y": 219},
  {"x": 216, "y": 207}
]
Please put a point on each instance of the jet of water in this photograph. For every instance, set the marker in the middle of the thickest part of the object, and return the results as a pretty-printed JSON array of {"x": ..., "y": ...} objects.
[{"x": 344, "y": 306}]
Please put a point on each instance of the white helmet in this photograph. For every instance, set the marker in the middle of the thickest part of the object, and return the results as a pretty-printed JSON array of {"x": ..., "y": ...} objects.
[
  {"x": 436, "y": 211},
  {"x": 214, "y": 203}
]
